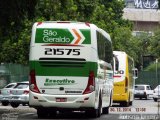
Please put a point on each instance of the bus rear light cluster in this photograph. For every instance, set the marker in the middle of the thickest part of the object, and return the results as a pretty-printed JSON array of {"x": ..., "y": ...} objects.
[
  {"x": 91, "y": 83},
  {"x": 33, "y": 85}
]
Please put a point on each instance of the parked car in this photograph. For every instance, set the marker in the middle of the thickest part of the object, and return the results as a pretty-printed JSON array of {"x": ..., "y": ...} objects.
[
  {"x": 20, "y": 94},
  {"x": 156, "y": 93},
  {"x": 5, "y": 93},
  {"x": 142, "y": 91}
]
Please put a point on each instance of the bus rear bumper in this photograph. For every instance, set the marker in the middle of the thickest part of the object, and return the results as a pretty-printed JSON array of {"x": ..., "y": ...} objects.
[
  {"x": 54, "y": 101},
  {"x": 117, "y": 98}
]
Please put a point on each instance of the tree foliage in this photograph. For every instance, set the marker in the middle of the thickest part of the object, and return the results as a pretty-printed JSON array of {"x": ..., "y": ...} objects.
[
  {"x": 18, "y": 16},
  {"x": 12, "y": 14},
  {"x": 154, "y": 47},
  {"x": 153, "y": 67}
]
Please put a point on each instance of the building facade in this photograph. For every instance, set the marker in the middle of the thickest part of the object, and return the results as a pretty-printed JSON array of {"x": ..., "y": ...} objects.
[{"x": 143, "y": 13}]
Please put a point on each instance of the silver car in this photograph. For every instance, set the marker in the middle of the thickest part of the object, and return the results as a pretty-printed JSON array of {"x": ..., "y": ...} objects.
[
  {"x": 156, "y": 93},
  {"x": 20, "y": 94},
  {"x": 143, "y": 91},
  {"x": 5, "y": 93}
]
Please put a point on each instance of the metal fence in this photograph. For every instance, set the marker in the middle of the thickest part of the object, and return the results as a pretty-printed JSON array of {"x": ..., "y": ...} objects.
[
  {"x": 17, "y": 73},
  {"x": 147, "y": 77},
  {"x": 13, "y": 73}
]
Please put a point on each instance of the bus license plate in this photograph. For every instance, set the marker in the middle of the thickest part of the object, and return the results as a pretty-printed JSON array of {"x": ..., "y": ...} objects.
[{"x": 61, "y": 99}]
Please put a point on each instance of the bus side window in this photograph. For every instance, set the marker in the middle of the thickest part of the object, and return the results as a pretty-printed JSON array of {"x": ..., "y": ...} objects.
[{"x": 105, "y": 52}]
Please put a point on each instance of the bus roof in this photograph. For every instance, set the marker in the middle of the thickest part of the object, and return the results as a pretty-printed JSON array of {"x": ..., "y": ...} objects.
[
  {"x": 63, "y": 24},
  {"x": 122, "y": 53}
]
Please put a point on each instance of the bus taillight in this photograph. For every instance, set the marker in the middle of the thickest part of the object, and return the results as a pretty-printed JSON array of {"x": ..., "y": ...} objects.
[
  {"x": 91, "y": 83},
  {"x": 33, "y": 85}
]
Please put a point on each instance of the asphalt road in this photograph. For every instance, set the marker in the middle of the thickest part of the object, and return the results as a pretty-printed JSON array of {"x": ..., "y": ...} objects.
[{"x": 141, "y": 109}]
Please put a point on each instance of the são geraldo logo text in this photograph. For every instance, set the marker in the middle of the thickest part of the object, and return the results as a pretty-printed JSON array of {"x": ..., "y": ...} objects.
[{"x": 52, "y": 36}]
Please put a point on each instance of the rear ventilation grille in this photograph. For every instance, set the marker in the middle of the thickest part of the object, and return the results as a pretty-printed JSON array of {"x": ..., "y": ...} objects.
[{"x": 62, "y": 62}]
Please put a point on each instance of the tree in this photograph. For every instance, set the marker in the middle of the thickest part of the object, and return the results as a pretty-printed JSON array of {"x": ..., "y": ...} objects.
[
  {"x": 108, "y": 15},
  {"x": 85, "y": 9},
  {"x": 56, "y": 10},
  {"x": 12, "y": 15},
  {"x": 124, "y": 41},
  {"x": 155, "y": 44},
  {"x": 17, "y": 51},
  {"x": 15, "y": 27}
]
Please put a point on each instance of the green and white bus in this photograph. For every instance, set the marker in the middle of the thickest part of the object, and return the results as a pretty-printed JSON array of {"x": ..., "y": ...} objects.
[{"x": 70, "y": 68}]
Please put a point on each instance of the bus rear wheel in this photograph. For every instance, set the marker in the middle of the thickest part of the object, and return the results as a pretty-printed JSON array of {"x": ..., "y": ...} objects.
[
  {"x": 124, "y": 104},
  {"x": 155, "y": 99},
  {"x": 94, "y": 113},
  {"x": 42, "y": 113},
  {"x": 131, "y": 103}
]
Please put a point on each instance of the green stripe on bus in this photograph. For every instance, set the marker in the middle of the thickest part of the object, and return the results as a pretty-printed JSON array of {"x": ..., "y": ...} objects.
[
  {"x": 60, "y": 36},
  {"x": 59, "y": 70}
]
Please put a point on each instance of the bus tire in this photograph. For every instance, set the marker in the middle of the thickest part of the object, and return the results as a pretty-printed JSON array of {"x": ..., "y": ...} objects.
[
  {"x": 105, "y": 110},
  {"x": 124, "y": 104},
  {"x": 94, "y": 113},
  {"x": 99, "y": 106},
  {"x": 155, "y": 99},
  {"x": 52, "y": 113},
  {"x": 42, "y": 113},
  {"x": 131, "y": 103}
]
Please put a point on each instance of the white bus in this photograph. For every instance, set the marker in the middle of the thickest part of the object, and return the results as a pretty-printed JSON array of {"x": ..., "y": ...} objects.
[{"x": 70, "y": 68}]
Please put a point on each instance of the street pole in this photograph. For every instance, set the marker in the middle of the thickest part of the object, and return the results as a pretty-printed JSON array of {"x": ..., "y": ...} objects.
[{"x": 158, "y": 87}]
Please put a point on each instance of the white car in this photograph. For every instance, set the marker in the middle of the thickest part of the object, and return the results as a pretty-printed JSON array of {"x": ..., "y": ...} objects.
[
  {"x": 5, "y": 93},
  {"x": 20, "y": 94},
  {"x": 142, "y": 91},
  {"x": 156, "y": 93}
]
